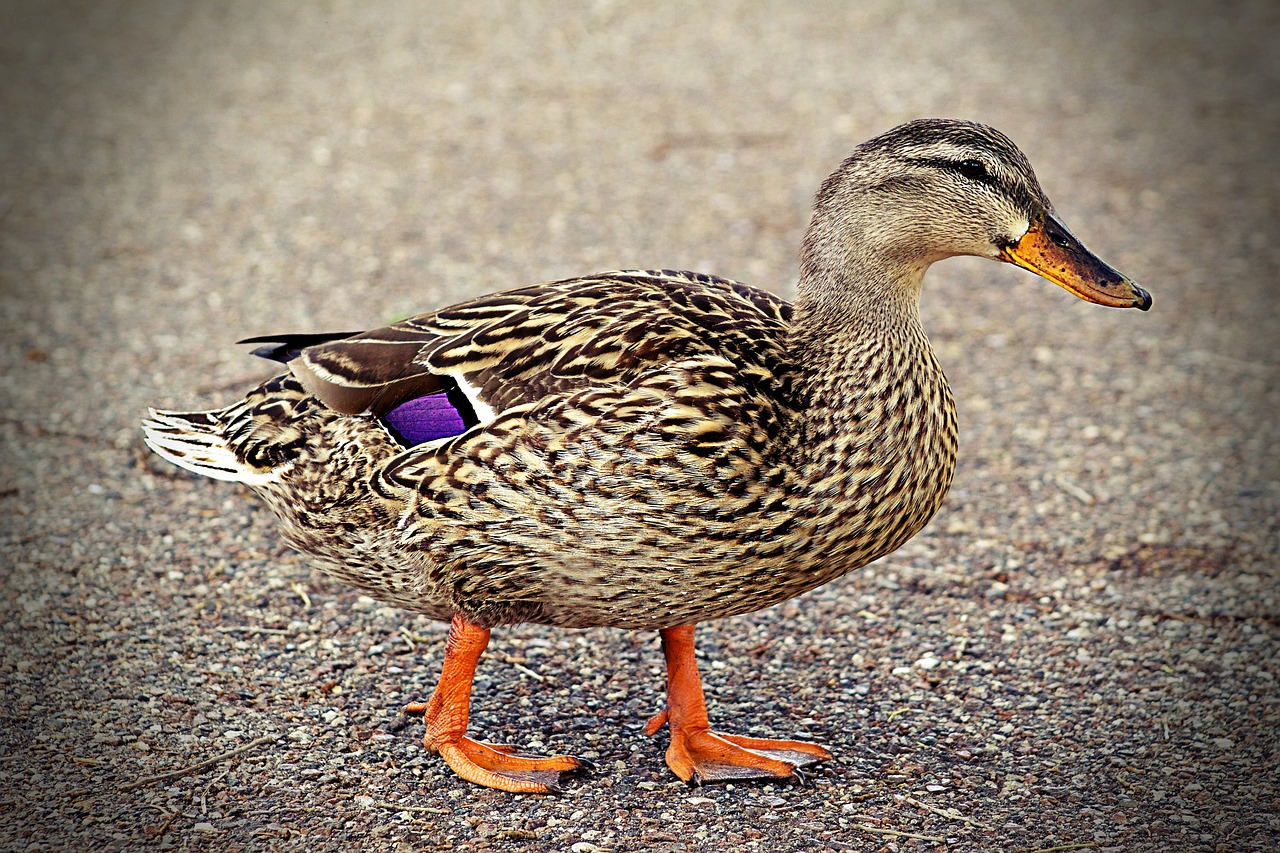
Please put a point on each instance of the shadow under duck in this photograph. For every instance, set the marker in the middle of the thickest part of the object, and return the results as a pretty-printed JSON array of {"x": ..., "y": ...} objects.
[{"x": 643, "y": 449}]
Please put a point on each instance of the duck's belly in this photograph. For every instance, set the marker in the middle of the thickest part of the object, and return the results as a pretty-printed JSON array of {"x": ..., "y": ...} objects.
[
  {"x": 657, "y": 581},
  {"x": 623, "y": 568}
]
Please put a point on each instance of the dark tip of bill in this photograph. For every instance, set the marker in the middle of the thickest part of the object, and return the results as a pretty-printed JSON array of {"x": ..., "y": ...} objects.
[{"x": 1145, "y": 304}]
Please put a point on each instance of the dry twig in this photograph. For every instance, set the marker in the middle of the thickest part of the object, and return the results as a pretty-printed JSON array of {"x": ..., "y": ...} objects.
[
  {"x": 382, "y": 804},
  {"x": 950, "y": 814},
  {"x": 898, "y": 833},
  {"x": 202, "y": 765}
]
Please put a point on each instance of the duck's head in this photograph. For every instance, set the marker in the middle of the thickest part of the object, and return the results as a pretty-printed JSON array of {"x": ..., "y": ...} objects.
[{"x": 936, "y": 188}]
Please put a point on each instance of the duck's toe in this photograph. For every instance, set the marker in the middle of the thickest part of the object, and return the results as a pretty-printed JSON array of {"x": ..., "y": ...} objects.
[{"x": 502, "y": 767}]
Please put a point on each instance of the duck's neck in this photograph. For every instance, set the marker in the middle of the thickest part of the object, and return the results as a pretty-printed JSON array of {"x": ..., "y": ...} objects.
[
  {"x": 848, "y": 330},
  {"x": 872, "y": 420}
]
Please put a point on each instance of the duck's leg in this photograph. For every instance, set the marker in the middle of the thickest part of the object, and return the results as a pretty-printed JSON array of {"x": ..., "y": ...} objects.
[
  {"x": 492, "y": 765},
  {"x": 698, "y": 753}
]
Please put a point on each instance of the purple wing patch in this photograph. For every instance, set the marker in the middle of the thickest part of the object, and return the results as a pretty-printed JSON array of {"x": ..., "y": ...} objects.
[{"x": 424, "y": 419}]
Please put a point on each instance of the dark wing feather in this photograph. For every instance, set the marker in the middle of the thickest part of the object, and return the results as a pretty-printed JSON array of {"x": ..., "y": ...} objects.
[
  {"x": 285, "y": 348},
  {"x": 372, "y": 371}
]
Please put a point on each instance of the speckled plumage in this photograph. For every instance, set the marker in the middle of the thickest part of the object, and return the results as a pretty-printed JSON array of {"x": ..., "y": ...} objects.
[{"x": 645, "y": 449}]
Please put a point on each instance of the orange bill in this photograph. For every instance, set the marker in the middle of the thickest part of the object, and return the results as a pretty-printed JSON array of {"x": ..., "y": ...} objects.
[{"x": 1052, "y": 252}]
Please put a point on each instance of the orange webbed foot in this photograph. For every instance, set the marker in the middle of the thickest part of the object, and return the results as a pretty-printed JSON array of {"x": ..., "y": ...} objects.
[
  {"x": 502, "y": 767},
  {"x": 696, "y": 752}
]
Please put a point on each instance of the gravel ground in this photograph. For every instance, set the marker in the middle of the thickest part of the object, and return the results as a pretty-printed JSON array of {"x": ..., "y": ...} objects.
[{"x": 1078, "y": 653}]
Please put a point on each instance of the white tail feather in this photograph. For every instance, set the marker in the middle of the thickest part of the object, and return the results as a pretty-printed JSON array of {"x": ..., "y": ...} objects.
[{"x": 193, "y": 440}]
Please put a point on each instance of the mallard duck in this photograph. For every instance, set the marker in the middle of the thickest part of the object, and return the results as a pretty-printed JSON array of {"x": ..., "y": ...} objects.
[{"x": 643, "y": 449}]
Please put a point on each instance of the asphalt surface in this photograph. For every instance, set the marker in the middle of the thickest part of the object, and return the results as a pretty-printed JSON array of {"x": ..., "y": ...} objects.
[{"x": 1078, "y": 653}]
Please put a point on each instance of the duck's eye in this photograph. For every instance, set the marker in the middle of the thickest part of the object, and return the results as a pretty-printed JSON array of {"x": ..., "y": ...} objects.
[{"x": 973, "y": 169}]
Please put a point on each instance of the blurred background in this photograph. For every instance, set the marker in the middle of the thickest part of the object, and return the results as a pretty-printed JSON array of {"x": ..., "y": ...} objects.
[{"x": 176, "y": 176}]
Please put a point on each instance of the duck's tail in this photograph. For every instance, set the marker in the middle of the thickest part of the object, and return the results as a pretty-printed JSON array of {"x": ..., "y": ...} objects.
[{"x": 198, "y": 441}]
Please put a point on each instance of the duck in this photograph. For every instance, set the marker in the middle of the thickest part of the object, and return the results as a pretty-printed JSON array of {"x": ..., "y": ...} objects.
[{"x": 643, "y": 449}]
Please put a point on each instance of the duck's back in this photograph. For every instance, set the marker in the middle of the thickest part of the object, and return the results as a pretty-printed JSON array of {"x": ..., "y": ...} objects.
[{"x": 519, "y": 346}]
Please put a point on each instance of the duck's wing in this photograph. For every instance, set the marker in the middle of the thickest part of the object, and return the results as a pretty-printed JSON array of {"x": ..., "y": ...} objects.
[{"x": 513, "y": 348}]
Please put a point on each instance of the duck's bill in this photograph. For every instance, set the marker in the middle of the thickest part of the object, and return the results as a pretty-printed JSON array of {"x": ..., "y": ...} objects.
[{"x": 1050, "y": 251}]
